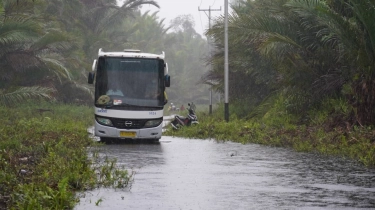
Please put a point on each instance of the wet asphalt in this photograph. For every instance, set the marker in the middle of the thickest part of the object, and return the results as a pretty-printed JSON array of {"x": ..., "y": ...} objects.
[{"x": 179, "y": 173}]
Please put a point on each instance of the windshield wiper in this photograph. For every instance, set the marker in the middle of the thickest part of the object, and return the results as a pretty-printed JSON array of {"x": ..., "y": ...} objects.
[
  {"x": 112, "y": 105},
  {"x": 104, "y": 105},
  {"x": 126, "y": 105}
]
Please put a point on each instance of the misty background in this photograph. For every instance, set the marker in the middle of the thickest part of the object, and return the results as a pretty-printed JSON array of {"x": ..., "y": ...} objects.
[{"x": 49, "y": 46}]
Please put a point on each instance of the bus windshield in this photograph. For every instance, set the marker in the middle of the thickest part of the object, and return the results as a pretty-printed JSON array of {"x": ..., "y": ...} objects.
[{"x": 129, "y": 82}]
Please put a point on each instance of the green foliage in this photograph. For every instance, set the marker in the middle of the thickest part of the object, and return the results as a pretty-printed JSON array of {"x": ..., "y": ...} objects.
[
  {"x": 25, "y": 93},
  {"x": 50, "y": 45},
  {"x": 44, "y": 157},
  {"x": 278, "y": 113},
  {"x": 278, "y": 128},
  {"x": 333, "y": 111},
  {"x": 307, "y": 50},
  {"x": 97, "y": 203}
]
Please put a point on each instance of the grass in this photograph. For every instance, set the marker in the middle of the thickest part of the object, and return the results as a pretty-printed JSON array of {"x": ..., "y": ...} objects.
[
  {"x": 46, "y": 157},
  {"x": 283, "y": 130}
]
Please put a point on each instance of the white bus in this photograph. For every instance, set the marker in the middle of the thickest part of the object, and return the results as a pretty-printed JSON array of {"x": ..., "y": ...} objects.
[{"x": 129, "y": 94}]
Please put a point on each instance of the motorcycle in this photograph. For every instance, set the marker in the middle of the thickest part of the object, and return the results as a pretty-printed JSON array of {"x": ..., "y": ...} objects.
[{"x": 190, "y": 119}]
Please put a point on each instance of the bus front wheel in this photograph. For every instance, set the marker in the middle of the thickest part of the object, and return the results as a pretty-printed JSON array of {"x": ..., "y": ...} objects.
[{"x": 106, "y": 140}]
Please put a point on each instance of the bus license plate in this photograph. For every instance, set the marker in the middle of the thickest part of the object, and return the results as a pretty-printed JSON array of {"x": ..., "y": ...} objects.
[{"x": 127, "y": 134}]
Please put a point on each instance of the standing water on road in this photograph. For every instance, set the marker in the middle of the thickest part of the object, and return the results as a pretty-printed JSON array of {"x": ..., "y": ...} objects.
[{"x": 204, "y": 174}]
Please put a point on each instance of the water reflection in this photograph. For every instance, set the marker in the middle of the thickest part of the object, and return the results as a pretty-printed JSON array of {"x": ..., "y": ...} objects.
[
  {"x": 135, "y": 155},
  {"x": 201, "y": 174}
]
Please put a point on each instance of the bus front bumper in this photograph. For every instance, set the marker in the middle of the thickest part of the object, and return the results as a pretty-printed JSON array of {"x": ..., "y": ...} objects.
[{"x": 112, "y": 132}]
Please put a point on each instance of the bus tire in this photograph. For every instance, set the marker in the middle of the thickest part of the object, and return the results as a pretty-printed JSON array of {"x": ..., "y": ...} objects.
[{"x": 106, "y": 140}]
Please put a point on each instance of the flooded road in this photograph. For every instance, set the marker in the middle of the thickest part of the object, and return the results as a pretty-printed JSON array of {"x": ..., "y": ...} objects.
[{"x": 204, "y": 174}]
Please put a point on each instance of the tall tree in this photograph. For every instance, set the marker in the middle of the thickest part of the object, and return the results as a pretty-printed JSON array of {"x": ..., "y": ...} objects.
[
  {"x": 317, "y": 49},
  {"x": 187, "y": 61},
  {"x": 48, "y": 43},
  {"x": 28, "y": 51}
]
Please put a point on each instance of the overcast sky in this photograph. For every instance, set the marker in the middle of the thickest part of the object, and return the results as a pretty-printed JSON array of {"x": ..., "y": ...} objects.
[{"x": 170, "y": 9}]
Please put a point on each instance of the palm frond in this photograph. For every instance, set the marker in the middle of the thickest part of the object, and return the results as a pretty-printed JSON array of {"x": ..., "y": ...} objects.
[
  {"x": 12, "y": 32},
  {"x": 51, "y": 40},
  {"x": 364, "y": 10},
  {"x": 330, "y": 28},
  {"x": 25, "y": 93},
  {"x": 116, "y": 15},
  {"x": 56, "y": 67}
]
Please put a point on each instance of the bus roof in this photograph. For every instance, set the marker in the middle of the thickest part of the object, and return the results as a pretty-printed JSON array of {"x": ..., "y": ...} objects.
[{"x": 130, "y": 54}]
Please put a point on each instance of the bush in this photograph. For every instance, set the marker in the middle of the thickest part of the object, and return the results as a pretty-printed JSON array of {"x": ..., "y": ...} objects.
[{"x": 44, "y": 157}]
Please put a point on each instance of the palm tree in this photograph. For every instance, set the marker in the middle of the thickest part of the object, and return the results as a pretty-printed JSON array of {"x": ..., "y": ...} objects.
[
  {"x": 145, "y": 32},
  {"x": 101, "y": 19},
  {"x": 252, "y": 75},
  {"x": 348, "y": 35},
  {"x": 27, "y": 51},
  {"x": 24, "y": 93},
  {"x": 41, "y": 42},
  {"x": 318, "y": 49}
]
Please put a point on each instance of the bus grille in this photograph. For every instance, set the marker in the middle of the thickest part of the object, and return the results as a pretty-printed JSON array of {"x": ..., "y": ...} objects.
[{"x": 128, "y": 123}]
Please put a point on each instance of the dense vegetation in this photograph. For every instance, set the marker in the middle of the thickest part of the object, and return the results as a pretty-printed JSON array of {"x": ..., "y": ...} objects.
[
  {"x": 301, "y": 53},
  {"x": 48, "y": 47},
  {"x": 279, "y": 129},
  {"x": 301, "y": 75},
  {"x": 44, "y": 160}
]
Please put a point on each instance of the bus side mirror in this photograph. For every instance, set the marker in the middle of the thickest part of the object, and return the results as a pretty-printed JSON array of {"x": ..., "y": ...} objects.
[
  {"x": 167, "y": 80},
  {"x": 90, "y": 78},
  {"x": 94, "y": 65}
]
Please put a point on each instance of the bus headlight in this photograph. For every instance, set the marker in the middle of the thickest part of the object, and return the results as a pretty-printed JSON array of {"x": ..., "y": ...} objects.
[
  {"x": 104, "y": 121},
  {"x": 153, "y": 123}
]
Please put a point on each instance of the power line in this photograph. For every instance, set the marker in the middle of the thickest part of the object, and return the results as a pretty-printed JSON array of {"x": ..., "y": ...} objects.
[
  {"x": 209, "y": 45},
  {"x": 200, "y": 18}
]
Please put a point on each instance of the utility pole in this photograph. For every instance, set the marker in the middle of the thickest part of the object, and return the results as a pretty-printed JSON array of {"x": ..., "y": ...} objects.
[
  {"x": 209, "y": 45},
  {"x": 226, "y": 68}
]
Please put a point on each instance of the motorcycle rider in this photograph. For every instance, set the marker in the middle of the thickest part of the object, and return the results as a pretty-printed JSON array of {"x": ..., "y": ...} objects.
[
  {"x": 173, "y": 107},
  {"x": 190, "y": 119},
  {"x": 170, "y": 108}
]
